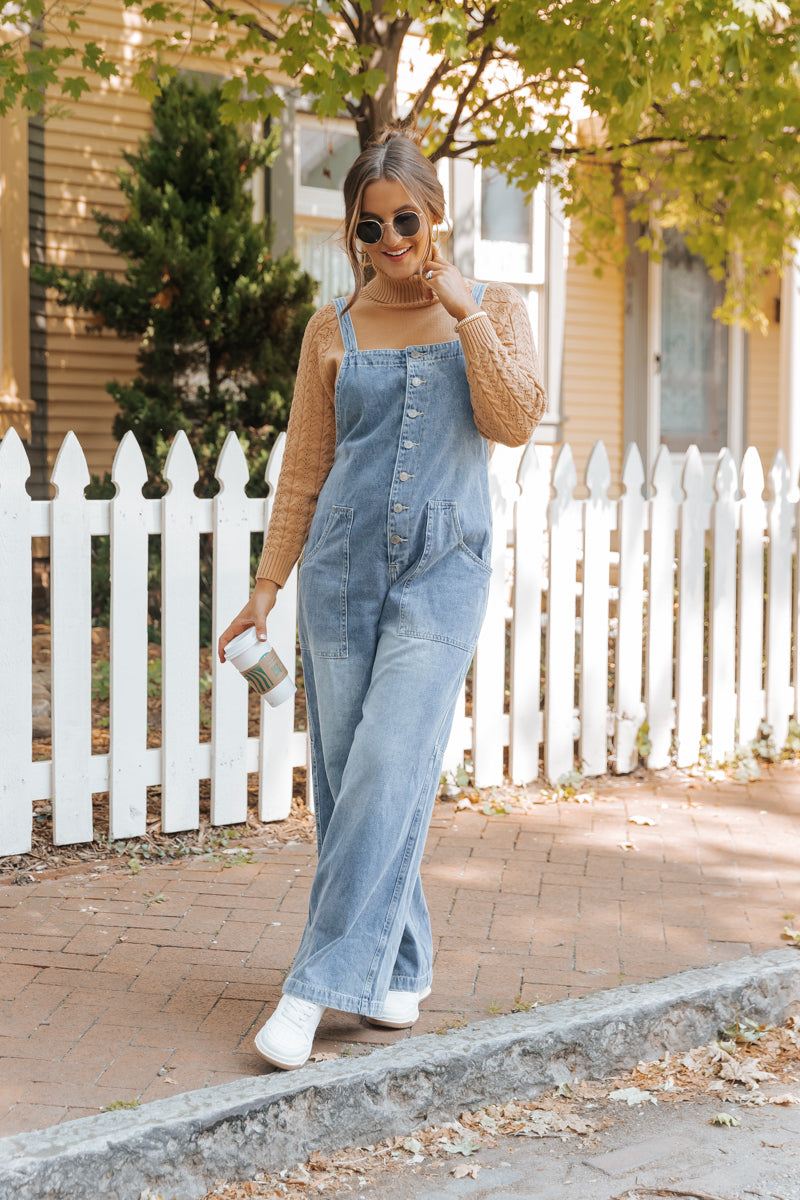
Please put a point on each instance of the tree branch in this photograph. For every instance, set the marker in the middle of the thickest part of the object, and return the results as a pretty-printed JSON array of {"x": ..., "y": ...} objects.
[
  {"x": 350, "y": 23},
  {"x": 250, "y": 22},
  {"x": 435, "y": 78},
  {"x": 455, "y": 121}
]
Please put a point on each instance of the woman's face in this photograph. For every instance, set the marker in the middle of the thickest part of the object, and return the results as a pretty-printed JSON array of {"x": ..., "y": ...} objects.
[{"x": 394, "y": 256}]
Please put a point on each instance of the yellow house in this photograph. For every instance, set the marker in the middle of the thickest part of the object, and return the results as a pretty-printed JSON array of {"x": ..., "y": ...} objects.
[{"x": 632, "y": 356}]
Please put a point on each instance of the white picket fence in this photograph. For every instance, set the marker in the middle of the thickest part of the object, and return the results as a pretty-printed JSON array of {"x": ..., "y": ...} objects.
[{"x": 583, "y": 590}]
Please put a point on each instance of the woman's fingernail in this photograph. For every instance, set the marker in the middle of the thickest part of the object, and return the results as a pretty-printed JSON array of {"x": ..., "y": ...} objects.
[{"x": 262, "y": 637}]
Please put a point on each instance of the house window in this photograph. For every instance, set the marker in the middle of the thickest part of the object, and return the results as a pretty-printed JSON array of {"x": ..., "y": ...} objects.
[
  {"x": 326, "y": 156},
  {"x": 694, "y": 352},
  {"x": 324, "y": 152},
  {"x": 510, "y": 242},
  {"x": 510, "y": 228}
]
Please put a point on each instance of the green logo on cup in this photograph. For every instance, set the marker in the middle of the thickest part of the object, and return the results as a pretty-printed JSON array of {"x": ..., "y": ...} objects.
[{"x": 266, "y": 673}]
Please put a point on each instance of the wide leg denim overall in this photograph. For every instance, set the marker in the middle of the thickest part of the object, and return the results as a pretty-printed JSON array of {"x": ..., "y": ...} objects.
[{"x": 392, "y": 594}]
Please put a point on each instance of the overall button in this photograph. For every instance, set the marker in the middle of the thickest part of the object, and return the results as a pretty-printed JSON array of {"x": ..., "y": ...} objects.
[
  {"x": 416, "y": 381},
  {"x": 409, "y": 445},
  {"x": 398, "y": 508},
  {"x": 395, "y": 538},
  {"x": 415, "y": 354},
  {"x": 414, "y": 412},
  {"x": 404, "y": 475}
]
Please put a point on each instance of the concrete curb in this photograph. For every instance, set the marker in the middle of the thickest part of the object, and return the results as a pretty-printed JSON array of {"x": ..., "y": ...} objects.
[{"x": 180, "y": 1146}]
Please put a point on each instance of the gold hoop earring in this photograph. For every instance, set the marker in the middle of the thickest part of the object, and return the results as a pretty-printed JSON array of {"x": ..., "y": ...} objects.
[{"x": 435, "y": 234}]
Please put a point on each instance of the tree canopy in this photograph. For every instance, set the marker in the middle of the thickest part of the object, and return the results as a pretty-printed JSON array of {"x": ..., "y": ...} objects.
[{"x": 687, "y": 109}]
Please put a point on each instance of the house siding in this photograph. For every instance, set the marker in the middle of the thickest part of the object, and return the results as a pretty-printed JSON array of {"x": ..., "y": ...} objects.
[
  {"x": 37, "y": 307},
  {"x": 82, "y": 156},
  {"x": 762, "y": 428},
  {"x": 82, "y": 153},
  {"x": 592, "y": 385}
]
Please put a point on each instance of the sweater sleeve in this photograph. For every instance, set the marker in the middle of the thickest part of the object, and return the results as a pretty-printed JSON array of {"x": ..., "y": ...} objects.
[
  {"x": 307, "y": 459},
  {"x": 508, "y": 398}
]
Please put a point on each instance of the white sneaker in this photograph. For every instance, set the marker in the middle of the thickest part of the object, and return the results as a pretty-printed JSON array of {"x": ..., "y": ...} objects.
[
  {"x": 287, "y": 1037},
  {"x": 400, "y": 1009}
]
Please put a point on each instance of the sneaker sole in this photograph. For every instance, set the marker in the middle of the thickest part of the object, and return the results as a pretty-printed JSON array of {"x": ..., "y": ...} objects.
[
  {"x": 276, "y": 1061},
  {"x": 379, "y": 1024}
]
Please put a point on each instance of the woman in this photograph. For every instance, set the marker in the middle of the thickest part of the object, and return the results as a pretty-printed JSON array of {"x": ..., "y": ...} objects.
[{"x": 400, "y": 391}]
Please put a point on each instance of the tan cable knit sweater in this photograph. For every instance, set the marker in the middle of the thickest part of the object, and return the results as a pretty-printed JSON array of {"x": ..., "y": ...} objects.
[{"x": 508, "y": 399}]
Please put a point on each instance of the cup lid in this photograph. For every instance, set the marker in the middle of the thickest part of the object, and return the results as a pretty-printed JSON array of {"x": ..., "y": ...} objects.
[{"x": 242, "y": 641}]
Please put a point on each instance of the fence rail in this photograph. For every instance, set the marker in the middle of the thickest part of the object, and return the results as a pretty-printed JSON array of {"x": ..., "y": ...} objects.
[{"x": 679, "y": 609}]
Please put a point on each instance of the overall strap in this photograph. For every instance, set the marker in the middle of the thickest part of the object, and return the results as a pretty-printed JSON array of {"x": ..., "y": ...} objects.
[
  {"x": 345, "y": 324},
  {"x": 477, "y": 292}
]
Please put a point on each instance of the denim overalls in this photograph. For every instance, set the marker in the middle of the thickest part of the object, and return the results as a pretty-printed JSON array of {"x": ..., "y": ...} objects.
[{"x": 392, "y": 594}]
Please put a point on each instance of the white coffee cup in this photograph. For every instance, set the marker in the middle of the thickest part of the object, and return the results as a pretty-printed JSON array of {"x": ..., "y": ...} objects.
[{"x": 259, "y": 664}]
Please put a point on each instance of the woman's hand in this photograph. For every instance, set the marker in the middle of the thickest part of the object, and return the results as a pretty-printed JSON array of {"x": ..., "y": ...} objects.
[
  {"x": 255, "y": 612},
  {"x": 449, "y": 286}
]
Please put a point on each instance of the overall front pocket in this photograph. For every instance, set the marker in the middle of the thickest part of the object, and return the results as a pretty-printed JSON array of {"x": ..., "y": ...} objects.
[
  {"x": 322, "y": 589},
  {"x": 444, "y": 597}
]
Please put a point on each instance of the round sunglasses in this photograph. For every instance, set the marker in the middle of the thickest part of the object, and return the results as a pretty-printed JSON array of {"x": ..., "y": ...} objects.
[{"x": 405, "y": 224}]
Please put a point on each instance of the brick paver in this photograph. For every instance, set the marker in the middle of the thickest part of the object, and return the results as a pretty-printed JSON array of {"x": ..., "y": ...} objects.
[{"x": 118, "y": 987}]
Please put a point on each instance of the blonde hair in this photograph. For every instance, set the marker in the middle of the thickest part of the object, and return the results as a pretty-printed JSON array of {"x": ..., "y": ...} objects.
[{"x": 394, "y": 154}]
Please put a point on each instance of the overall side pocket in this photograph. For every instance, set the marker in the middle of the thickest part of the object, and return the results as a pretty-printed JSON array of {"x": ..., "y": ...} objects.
[
  {"x": 444, "y": 597},
  {"x": 322, "y": 589}
]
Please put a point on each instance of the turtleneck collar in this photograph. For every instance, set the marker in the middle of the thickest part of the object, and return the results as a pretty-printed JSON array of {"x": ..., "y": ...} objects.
[{"x": 401, "y": 293}]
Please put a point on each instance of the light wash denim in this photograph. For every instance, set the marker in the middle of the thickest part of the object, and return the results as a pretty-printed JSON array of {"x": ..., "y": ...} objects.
[{"x": 393, "y": 588}]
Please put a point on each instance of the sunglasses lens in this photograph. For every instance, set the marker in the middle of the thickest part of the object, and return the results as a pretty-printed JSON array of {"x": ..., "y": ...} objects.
[
  {"x": 406, "y": 224},
  {"x": 369, "y": 232}
]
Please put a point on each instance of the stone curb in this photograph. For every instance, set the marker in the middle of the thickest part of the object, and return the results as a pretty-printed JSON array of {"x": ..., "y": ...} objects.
[{"x": 179, "y": 1147}]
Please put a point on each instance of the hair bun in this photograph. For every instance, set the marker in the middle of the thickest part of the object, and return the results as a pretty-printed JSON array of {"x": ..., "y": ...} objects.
[{"x": 405, "y": 128}]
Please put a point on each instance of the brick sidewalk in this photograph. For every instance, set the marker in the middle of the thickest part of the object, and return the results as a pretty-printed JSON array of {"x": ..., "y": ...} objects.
[{"x": 119, "y": 987}]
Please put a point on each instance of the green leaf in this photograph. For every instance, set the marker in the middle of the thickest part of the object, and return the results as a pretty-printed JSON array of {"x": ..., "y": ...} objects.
[{"x": 723, "y": 1118}]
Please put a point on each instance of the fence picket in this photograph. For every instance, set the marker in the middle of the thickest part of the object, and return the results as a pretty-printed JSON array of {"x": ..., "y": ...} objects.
[
  {"x": 628, "y": 707},
  {"x": 796, "y": 614},
  {"x": 530, "y": 524},
  {"x": 597, "y": 512},
  {"x": 180, "y": 638},
  {"x": 230, "y": 589},
  {"x": 564, "y": 517},
  {"x": 751, "y": 597},
  {"x": 489, "y": 672},
  {"x": 691, "y": 608},
  {"x": 276, "y": 757},
  {"x": 15, "y": 648},
  {"x": 71, "y": 646},
  {"x": 779, "y": 599},
  {"x": 459, "y": 746},
  {"x": 660, "y": 613},
  {"x": 722, "y": 612},
  {"x": 127, "y": 782}
]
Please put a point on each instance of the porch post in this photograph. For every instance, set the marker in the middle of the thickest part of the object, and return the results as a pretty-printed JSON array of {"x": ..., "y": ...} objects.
[
  {"x": 555, "y": 305},
  {"x": 789, "y": 372}
]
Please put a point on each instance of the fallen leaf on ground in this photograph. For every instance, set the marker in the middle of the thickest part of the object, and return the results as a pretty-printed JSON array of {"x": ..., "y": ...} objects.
[
  {"x": 463, "y": 1170},
  {"x": 726, "y": 1119},
  {"x": 632, "y": 1095},
  {"x": 414, "y": 1148},
  {"x": 323, "y": 1056},
  {"x": 464, "y": 1145},
  {"x": 641, "y": 821},
  {"x": 627, "y": 846}
]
